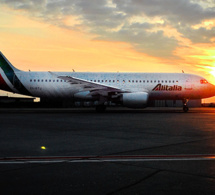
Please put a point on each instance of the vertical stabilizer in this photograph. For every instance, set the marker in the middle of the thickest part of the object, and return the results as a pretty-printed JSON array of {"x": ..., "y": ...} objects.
[
  {"x": 7, "y": 68},
  {"x": 9, "y": 80},
  {"x": 6, "y": 65}
]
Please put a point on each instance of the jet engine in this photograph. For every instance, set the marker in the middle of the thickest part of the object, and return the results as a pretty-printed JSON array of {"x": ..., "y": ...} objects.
[{"x": 135, "y": 100}]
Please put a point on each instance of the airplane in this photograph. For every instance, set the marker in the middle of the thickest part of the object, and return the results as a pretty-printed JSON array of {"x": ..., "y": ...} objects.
[{"x": 133, "y": 90}]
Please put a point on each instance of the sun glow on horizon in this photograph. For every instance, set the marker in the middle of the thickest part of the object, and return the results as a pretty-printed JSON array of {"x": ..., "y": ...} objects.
[{"x": 207, "y": 64}]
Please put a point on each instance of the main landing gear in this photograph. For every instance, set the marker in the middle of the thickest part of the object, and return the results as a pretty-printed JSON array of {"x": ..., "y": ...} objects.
[{"x": 185, "y": 107}]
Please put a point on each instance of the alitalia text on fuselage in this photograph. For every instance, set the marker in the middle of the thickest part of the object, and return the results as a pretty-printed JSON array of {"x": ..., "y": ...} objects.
[{"x": 160, "y": 87}]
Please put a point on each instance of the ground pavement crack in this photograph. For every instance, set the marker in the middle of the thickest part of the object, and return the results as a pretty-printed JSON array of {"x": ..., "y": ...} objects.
[
  {"x": 162, "y": 146},
  {"x": 165, "y": 170},
  {"x": 133, "y": 184}
]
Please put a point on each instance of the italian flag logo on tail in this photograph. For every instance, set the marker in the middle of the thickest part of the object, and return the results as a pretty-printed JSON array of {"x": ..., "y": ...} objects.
[{"x": 8, "y": 77}]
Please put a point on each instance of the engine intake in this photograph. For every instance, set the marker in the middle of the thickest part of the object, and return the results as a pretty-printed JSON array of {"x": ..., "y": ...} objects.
[{"x": 135, "y": 100}]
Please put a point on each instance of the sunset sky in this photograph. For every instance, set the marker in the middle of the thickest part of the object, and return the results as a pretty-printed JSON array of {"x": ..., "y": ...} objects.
[{"x": 110, "y": 35}]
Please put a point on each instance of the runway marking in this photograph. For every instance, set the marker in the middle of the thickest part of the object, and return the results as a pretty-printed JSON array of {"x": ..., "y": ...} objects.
[{"x": 97, "y": 159}]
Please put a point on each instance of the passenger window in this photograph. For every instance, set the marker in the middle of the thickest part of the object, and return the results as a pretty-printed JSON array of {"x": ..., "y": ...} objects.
[
  {"x": 31, "y": 80},
  {"x": 154, "y": 81},
  {"x": 38, "y": 80}
]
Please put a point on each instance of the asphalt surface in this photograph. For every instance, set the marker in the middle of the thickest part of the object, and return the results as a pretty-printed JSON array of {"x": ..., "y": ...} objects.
[{"x": 122, "y": 151}]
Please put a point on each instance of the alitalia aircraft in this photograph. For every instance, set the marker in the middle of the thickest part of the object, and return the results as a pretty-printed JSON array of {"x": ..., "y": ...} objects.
[{"x": 132, "y": 90}]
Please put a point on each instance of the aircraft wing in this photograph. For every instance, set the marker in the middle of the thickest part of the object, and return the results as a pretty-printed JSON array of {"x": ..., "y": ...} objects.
[{"x": 94, "y": 88}]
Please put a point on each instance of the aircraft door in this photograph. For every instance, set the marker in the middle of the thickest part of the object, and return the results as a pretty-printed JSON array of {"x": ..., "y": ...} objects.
[{"x": 188, "y": 85}]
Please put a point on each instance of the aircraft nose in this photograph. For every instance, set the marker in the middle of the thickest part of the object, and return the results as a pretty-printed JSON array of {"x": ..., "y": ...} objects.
[{"x": 212, "y": 89}]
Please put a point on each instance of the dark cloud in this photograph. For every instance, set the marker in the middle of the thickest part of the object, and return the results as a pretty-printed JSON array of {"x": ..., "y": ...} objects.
[
  {"x": 183, "y": 11},
  {"x": 112, "y": 19},
  {"x": 25, "y": 4},
  {"x": 201, "y": 35},
  {"x": 152, "y": 43}
]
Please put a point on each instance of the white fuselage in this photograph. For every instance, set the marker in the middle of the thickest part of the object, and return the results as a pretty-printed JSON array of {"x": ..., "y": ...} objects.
[
  {"x": 169, "y": 85},
  {"x": 132, "y": 90}
]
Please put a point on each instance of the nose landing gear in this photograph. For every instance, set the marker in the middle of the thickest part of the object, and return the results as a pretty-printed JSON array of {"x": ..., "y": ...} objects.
[{"x": 185, "y": 107}]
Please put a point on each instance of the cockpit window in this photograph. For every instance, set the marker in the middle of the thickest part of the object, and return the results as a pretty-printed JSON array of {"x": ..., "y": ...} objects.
[{"x": 203, "y": 81}]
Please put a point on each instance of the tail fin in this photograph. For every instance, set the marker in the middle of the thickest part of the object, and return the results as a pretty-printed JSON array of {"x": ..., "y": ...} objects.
[
  {"x": 8, "y": 69},
  {"x": 8, "y": 77},
  {"x": 6, "y": 66}
]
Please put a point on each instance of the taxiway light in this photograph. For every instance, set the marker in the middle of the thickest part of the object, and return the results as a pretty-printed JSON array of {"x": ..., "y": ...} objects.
[{"x": 43, "y": 147}]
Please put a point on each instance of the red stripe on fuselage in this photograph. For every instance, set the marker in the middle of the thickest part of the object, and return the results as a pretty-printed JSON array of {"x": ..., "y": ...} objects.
[{"x": 3, "y": 84}]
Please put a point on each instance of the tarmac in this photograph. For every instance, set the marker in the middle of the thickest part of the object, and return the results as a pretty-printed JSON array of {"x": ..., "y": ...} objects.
[{"x": 122, "y": 151}]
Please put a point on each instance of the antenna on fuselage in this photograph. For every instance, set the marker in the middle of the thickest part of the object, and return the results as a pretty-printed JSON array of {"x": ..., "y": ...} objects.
[
  {"x": 182, "y": 71},
  {"x": 73, "y": 70}
]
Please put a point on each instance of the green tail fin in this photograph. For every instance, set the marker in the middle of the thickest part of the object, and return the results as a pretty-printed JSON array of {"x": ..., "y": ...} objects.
[{"x": 6, "y": 65}]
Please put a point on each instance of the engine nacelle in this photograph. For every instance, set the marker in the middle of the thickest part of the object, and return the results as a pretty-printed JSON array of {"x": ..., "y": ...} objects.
[
  {"x": 135, "y": 100},
  {"x": 84, "y": 95}
]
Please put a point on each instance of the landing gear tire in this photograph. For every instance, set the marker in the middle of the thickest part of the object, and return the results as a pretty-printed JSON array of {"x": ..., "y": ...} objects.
[
  {"x": 100, "y": 108},
  {"x": 185, "y": 108}
]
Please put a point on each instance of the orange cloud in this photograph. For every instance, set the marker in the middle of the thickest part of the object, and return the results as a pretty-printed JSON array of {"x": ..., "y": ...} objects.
[{"x": 34, "y": 45}]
